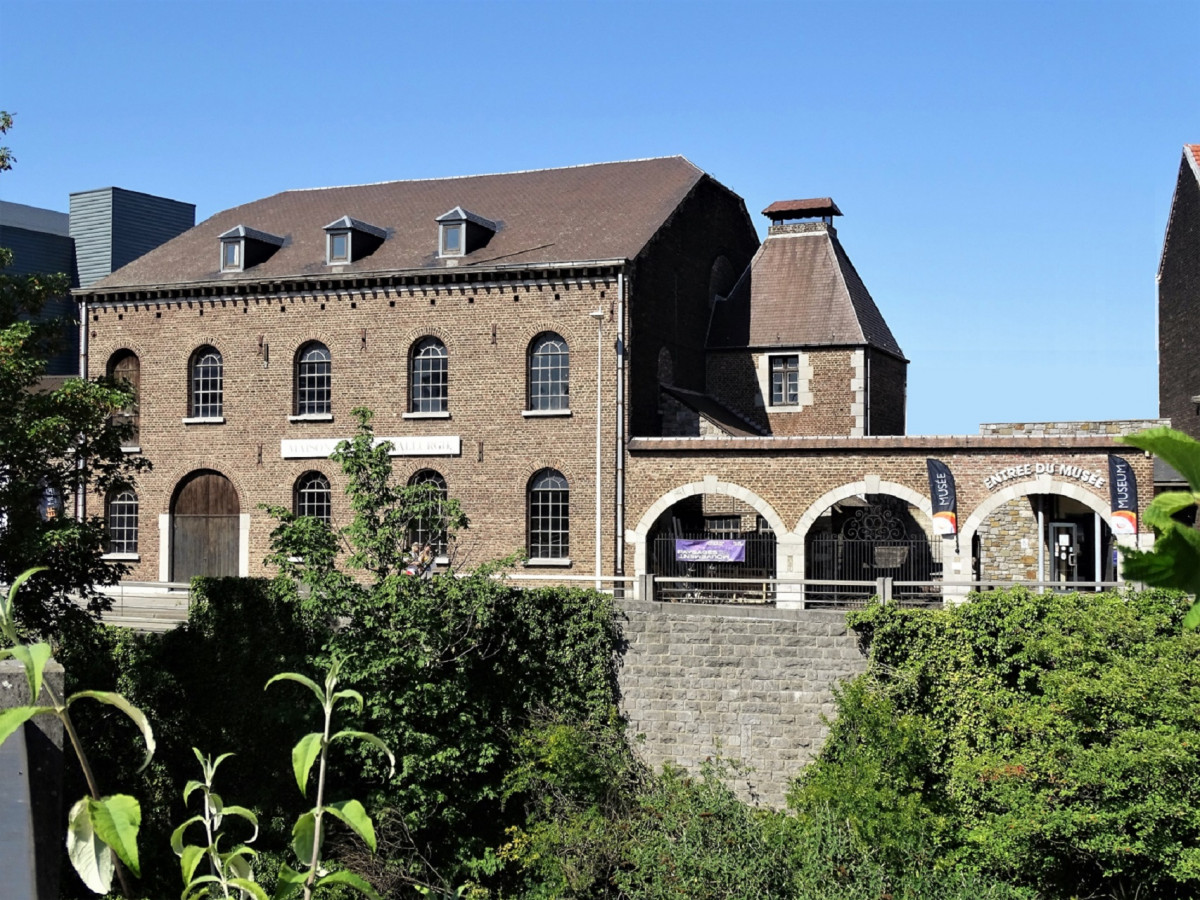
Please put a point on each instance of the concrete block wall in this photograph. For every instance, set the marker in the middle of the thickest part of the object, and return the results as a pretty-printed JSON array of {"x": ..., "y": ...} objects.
[{"x": 749, "y": 684}]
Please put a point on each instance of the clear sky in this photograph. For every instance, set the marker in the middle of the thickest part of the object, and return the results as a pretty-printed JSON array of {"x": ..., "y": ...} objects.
[{"x": 1006, "y": 169}]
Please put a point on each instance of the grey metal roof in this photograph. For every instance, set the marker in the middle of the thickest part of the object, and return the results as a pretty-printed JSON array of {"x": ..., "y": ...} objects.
[
  {"x": 458, "y": 214},
  {"x": 357, "y": 225},
  {"x": 241, "y": 231}
]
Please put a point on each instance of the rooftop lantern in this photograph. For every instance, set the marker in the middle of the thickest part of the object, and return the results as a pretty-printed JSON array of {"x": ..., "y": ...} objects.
[{"x": 783, "y": 211}]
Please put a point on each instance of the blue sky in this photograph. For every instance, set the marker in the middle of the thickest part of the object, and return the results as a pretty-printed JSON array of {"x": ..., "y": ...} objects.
[{"x": 1005, "y": 169}]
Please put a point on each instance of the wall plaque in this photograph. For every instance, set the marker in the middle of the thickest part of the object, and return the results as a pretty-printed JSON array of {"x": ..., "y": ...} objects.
[{"x": 321, "y": 448}]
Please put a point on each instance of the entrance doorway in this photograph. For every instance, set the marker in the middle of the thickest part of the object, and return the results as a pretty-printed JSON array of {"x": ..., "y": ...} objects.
[{"x": 205, "y": 523}]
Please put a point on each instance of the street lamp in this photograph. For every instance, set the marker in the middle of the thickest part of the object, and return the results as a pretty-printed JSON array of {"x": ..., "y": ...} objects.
[{"x": 598, "y": 315}]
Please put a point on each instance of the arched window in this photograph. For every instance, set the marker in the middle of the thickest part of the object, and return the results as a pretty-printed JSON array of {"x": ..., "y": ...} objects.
[
  {"x": 121, "y": 516},
  {"x": 312, "y": 496},
  {"x": 430, "y": 381},
  {"x": 125, "y": 366},
  {"x": 313, "y": 380},
  {"x": 207, "y": 398},
  {"x": 549, "y": 373},
  {"x": 549, "y": 516},
  {"x": 429, "y": 526}
]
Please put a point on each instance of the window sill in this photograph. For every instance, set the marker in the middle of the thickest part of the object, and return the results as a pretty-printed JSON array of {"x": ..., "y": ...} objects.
[
  {"x": 131, "y": 449},
  {"x": 204, "y": 420},
  {"x": 122, "y": 557},
  {"x": 426, "y": 415},
  {"x": 312, "y": 417},
  {"x": 545, "y": 413},
  {"x": 564, "y": 562}
]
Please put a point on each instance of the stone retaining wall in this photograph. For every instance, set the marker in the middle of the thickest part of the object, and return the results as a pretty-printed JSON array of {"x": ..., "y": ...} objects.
[{"x": 747, "y": 683}]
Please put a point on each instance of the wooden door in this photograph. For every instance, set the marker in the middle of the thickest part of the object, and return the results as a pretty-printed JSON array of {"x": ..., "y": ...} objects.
[{"x": 205, "y": 523}]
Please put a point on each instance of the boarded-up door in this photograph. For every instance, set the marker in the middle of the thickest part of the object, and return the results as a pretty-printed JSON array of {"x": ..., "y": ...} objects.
[{"x": 204, "y": 527}]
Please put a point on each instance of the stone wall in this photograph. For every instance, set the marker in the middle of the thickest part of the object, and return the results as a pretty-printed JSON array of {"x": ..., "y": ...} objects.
[
  {"x": 749, "y": 684},
  {"x": 1112, "y": 427}
]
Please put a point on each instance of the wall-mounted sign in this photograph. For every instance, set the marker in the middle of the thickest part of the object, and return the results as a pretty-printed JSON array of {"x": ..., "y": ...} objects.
[
  {"x": 1028, "y": 470},
  {"x": 321, "y": 448}
]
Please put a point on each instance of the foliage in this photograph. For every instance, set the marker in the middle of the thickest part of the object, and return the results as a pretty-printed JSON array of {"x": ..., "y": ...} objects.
[
  {"x": 1051, "y": 739},
  {"x": 54, "y": 445},
  {"x": 227, "y": 870},
  {"x": 1175, "y": 560},
  {"x": 98, "y": 828},
  {"x": 308, "y": 834}
]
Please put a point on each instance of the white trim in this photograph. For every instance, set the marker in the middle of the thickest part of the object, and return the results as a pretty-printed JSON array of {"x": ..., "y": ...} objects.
[
  {"x": 545, "y": 413},
  {"x": 131, "y": 449},
  {"x": 426, "y": 415},
  {"x": 203, "y": 420},
  {"x": 244, "y": 544},
  {"x": 164, "y": 546},
  {"x": 547, "y": 561},
  {"x": 312, "y": 417},
  {"x": 122, "y": 557}
]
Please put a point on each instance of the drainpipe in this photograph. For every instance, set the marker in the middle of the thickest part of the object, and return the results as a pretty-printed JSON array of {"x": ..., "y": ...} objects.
[
  {"x": 867, "y": 395},
  {"x": 619, "y": 543},
  {"x": 81, "y": 491}
]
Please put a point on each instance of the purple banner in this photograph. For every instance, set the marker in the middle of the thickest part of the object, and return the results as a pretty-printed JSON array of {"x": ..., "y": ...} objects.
[{"x": 710, "y": 550}]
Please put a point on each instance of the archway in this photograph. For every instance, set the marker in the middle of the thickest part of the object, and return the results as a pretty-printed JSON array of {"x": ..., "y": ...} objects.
[
  {"x": 1041, "y": 530},
  {"x": 710, "y": 510},
  {"x": 864, "y": 531},
  {"x": 205, "y": 527}
]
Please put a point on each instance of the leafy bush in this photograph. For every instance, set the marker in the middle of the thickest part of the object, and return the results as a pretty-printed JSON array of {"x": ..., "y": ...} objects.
[{"x": 1051, "y": 739}]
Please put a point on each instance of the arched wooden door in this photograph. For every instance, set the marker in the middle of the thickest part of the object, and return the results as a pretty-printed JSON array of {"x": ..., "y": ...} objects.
[{"x": 204, "y": 527}]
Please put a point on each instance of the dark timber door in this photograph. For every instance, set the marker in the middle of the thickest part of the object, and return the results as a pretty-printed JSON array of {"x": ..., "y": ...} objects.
[{"x": 204, "y": 527}]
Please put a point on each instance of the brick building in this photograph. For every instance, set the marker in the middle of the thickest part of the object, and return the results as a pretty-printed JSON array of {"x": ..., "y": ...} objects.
[{"x": 504, "y": 327}]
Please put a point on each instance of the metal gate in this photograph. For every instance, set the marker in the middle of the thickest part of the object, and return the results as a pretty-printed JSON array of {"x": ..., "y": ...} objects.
[
  {"x": 833, "y": 557},
  {"x": 759, "y": 564}
]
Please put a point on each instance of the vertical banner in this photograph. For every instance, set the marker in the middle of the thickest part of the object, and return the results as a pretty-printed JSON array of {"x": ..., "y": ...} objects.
[
  {"x": 945, "y": 501},
  {"x": 1122, "y": 488}
]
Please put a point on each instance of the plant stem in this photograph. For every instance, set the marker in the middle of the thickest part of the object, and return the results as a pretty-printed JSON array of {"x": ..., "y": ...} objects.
[{"x": 319, "y": 811}]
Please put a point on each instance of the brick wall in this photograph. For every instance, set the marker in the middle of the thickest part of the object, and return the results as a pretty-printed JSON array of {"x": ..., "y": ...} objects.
[
  {"x": 747, "y": 684},
  {"x": 1179, "y": 310},
  {"x": 486, "y": 327},
  {"x": 888, "y": 394}
]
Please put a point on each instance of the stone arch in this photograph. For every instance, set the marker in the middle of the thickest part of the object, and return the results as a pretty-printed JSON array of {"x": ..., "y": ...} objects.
[
  {"x": 1043, "y": 484},
  {"x": 710, "y": 485},
  {"x": 872, "y": 484}
]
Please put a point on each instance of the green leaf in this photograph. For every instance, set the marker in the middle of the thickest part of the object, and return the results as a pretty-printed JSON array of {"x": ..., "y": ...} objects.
[
  {"x": 301, "y": 679},
  {"x": 188, "y": 860},
  {"x": 138, "y": 717},
  {"x": 302, "y": 838},
  {"x": 88, "y": 854},
  {"x": 6, "y": 601},
  {"x": 246, "y": 814},
  {"x": 370, "y": 739},
  {"x": 250, "y": 887},
  {"x": 189, "y": 788},
  {"x": 1164, "y": 506},
  {"x": 349, "y": 694},
  {"x": 1192, "y": 620},
  {"x": 355, "y": 881},
  {"x": 116, "y": 820},
  {"x": 288, "y": 883},
  {"x": 352, "y": 813},
  {"x": 34, "y": 658},
  {"x": 304, "y": 754},
  {"x": 1175, "y": 447},
  {"x": 12, "y": 719},
  {"x": 177, "y": 834}
]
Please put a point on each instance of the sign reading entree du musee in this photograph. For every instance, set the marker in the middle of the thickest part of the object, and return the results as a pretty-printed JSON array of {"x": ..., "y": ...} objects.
[
  {"x": 321, "y": 448},
  {"x": 1026, "y": 470}
]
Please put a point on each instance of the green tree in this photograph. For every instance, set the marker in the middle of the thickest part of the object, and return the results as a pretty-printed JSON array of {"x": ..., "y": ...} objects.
[{"x": 55, "y": 445}]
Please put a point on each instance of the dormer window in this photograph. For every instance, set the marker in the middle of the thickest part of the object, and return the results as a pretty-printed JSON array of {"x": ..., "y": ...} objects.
[
  {"x": 461, "y": 232},
  {"x": 348, "y": 240},
  {"x": 243, "y": 247}
]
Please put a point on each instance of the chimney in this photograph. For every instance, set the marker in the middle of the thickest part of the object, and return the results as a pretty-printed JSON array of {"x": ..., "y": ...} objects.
[{"x": 790, "y": 216}]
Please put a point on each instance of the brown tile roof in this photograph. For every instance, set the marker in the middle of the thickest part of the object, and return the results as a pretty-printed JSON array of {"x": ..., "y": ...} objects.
[
  {"x": 800, "y": 290},
  {"x": 715, "y": 411},
  {"x": 1193, "y": 150},
  {"x": 817, "y": 206},
  {"x": 590, "y": 212}
]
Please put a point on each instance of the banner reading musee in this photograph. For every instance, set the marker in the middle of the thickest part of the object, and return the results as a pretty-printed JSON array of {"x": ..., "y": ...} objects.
[
  {"x": 1122, "y": 488},
  {"x": 944, "y": 497},
  {"x": 712, "y": 550}
]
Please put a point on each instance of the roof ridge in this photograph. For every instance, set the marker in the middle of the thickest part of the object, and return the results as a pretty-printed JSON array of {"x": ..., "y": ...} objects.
[{"x": 614, "y": 162}]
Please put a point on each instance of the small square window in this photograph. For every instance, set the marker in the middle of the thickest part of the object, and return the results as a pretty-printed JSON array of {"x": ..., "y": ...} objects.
[
  {"x": 339, "y": 247},
  {"x": 231, "y": 255},
  {"x": 451, "y": 240}
]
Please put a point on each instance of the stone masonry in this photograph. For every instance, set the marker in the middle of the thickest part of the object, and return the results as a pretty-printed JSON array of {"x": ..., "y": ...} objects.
[{"x": 748, "y": 684}]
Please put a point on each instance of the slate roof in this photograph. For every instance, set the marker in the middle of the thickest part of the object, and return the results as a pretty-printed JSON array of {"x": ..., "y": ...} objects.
[
  {"x": 716, "y": 412},
  {"x": 604, "y": 211},
  {"x": 800, "y": 290},
  {"x": 811, "y": 208},
  {"x": 1190, "y": 161}
]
